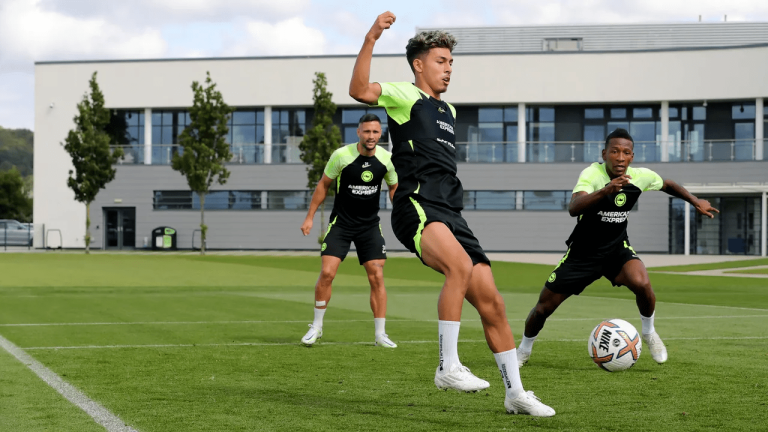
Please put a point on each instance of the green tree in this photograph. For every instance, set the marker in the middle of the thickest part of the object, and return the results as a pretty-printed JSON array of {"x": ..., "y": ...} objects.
[
  {"x": 14, "y": 202},
  {"x": 321, "y": 140},
  {"x": 16, "y": 150},
  {"x": 204, "y": 149},
  {"x": 88, "y": 145}
]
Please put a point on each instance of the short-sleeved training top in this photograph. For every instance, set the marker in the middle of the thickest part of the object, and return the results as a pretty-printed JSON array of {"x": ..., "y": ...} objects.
[
  {"x": 601, "y": 227},
  {"x": 358, "y": 184},
  {"x": 423, "y": 145}
]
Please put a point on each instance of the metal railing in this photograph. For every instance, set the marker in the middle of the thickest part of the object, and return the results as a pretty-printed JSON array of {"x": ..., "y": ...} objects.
[{"x": 494, "y": 152}]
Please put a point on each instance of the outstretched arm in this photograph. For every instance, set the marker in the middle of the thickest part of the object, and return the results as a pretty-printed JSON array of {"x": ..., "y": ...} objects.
[
  {"x": 701, "y": 205},
  {"x": 360, "y": 87},
  {"x": 581, "y": 201},
  {"x": 321, "y": 191}
]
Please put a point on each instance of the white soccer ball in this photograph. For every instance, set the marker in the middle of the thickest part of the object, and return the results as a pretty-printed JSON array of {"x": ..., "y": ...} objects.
[{"x": 614, "y": 345}]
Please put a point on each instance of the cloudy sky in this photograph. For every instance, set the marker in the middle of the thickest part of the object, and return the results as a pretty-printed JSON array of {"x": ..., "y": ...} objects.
[{"x": 44, "y": 30}]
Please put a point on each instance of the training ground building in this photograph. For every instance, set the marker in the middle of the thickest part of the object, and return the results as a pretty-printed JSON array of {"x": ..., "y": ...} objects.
[{"x": 534, "y": 105}]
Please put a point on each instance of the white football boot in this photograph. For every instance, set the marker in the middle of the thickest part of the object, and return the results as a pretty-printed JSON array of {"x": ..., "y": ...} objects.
[
  {"x": 522, "y": 357},
  {"x": 459, "y": 378},
  {"x": 312, "y": 335},
  {"x": 383, "y": 340},
  {"x": 656, "y": 347},
  {"x": 528, "y": 404}
]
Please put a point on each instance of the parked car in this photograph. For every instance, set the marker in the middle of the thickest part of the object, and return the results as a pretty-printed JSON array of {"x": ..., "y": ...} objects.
[{"x": 15, "y": 233}]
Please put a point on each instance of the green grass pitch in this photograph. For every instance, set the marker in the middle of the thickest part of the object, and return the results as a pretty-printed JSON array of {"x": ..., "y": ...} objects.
[{"x": 187, "y": 343}]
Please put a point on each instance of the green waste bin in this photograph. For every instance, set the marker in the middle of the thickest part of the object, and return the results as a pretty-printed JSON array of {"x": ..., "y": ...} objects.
[{"x": 163, "y": 238}]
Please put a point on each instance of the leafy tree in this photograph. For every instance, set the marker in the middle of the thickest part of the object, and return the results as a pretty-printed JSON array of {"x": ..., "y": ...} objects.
[
  {"x": 88, "y": 145},
  {"x": 204, "y": 149},
  {"x": 14, "y": 202},
  {"x": 321, "y": 140},
  {"x": 16, "y": 150}
]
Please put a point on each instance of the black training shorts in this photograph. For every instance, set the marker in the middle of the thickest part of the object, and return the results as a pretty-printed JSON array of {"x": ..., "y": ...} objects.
[
  {"x": 577, "y": 270},
  {"x": 369, "y": 242},
  {"x": 409, "y": 217}
]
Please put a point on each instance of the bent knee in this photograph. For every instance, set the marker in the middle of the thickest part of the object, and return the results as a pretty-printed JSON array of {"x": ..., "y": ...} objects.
[{"x": 327, "y": 275}]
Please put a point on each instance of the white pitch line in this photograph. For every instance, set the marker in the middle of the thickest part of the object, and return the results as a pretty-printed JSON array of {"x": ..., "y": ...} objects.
[
  {"x": 269, "y": 344},
  {"x": 662, "y": 318},
  {"x": 101, "y": 415}
]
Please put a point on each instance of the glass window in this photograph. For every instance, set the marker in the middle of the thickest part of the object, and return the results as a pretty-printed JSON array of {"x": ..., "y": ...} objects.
[
  {"x": 673, "y": 112},
  {"x": 168, "y": 125},
  {"x": 699, "y": 113},
  {"x": 743, "y": 111},
  {"x": 618, "y": 113},
  {"x": 172, "y": 200},
  {"x": 642, "y": 112},
  {"x": 288, "y": 126},
  {"x": 288, "y": 200},
  {"x": 546, "y": 114},
  {"x": 494, "y": 200},
  {"x": 126, "y": 127},
  {"x": 594, "y": 113},
  {"x": 545, "y": 200},
  {"x": 510, "y": 114},
  {"x": 490, "y": 115}
]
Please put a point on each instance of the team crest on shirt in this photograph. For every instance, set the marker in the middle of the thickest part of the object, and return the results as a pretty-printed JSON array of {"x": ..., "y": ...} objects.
[
  {"x": 620, "y": 200},
  {"x": 367, "y": 176},
  {"x": 441, "y": 110},
  {"x": 552, "y": 277}
]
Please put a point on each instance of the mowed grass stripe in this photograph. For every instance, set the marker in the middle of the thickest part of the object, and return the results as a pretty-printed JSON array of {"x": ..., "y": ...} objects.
[
  {"x": 319, "y": 344},
  {"x": 348, "y": 321}
]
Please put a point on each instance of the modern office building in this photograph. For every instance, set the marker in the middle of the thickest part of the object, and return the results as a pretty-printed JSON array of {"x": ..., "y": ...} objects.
[{"x": 534, "y": 105}]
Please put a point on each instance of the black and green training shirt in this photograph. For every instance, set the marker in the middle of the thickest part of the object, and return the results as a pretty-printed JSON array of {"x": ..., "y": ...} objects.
[
  {"x": 423, "y": 145},
  {"x": 358, "y": 184},
  {"x": 604, "y": 226}
]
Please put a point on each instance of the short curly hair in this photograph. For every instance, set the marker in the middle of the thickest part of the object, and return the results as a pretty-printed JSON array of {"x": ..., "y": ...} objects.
[{"x": 425, "y": 41}]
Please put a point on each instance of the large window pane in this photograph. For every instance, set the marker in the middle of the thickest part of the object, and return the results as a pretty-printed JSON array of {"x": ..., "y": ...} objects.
[
  {"x": 244, "y": 117},
  {"x": 495, "y": 200},
  {"x": 510, "y": 114},
  {"x": 618, "y": 113},
  {"x": 544, "y": 200},
  {"x": 743, "y": 111},
  {"x": 642, "y": 113},
  {"x": 490, "y": 115},
  {"x": 594, "y": 113}
]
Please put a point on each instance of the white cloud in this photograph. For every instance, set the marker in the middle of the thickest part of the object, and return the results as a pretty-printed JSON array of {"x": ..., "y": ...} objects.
[
  {"x": 288, "y": 37},
  {"x": 29, "y": 33}
]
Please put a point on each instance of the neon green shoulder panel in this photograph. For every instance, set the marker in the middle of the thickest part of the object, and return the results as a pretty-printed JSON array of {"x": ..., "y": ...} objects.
[
  {"x": 591, "y": 179},
  {"x": 453, "y": 110},
  {"x": 398, "y": 99},
  {"x": 339, "y": 159},
  {"x": 645, "y": 179},
  {"x": 385, "y": 157}
]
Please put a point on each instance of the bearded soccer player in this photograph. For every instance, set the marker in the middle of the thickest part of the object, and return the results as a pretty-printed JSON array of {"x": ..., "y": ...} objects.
[
  {"x": 599, "y": 245},
  {"x": 426, "y": 213},
  {"x": 358, "y": 170}
]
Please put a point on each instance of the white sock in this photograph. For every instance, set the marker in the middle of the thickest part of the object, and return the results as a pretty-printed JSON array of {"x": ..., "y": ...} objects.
[
  {"x": 648, "y": 323},
  {"x": 378, "y": 324},
  {"x": 510, "y": 373},
  {"x": 448, "y": 342},
  {"x": 527, "y": 343},
  {"x": 319, "y": 313}
]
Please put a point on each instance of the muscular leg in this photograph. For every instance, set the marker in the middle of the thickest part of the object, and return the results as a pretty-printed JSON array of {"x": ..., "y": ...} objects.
[
  {"x": 634, "y": 276},
  {"x": 548, "y": 302},
  {"x": 375, "y": 271},
  {"x": 485, "y": 297},
  {"x": 442, "y": 252},
  {"x": 324, "y": 281}
]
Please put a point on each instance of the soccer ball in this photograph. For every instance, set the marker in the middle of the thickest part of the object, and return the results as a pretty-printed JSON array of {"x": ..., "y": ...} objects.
[{"x": 614, "y": 345}]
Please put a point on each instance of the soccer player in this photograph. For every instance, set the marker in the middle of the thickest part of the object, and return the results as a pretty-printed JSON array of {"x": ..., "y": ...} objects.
[
  {"x": 358, "y": 170},
  {"x": 599, "y": 245},
  {"x": 426, "y": 214}
]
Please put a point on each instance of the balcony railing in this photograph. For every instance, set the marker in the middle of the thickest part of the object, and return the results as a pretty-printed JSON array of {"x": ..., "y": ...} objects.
[{"x": 494, "y": 152}]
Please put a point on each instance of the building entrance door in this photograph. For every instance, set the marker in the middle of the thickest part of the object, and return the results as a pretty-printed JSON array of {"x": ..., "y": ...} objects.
[{"x": 120, "y": 228}]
